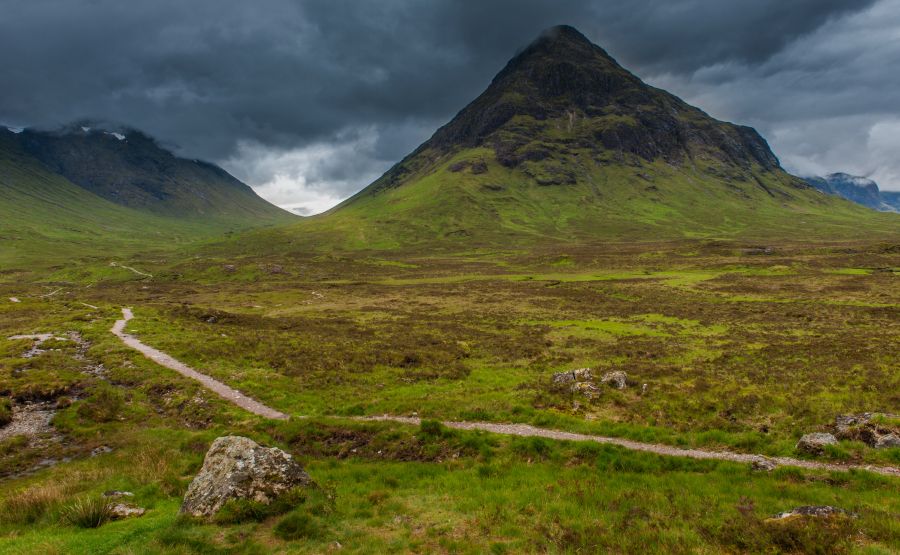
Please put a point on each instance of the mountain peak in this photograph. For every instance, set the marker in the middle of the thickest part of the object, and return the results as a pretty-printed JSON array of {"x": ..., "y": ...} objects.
[
  {"x": 563, "y": 94},
  {"x": 561, "y": 36}
]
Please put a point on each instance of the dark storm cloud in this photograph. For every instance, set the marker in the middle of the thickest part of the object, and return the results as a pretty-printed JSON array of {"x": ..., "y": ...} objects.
[{"x": 290, "y": 82}]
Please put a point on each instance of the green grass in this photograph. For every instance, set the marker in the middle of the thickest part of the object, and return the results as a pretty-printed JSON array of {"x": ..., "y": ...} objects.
[{"x": 426, "y": 490}]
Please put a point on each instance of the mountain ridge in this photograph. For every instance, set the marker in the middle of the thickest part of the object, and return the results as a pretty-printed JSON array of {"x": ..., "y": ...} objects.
[
  {"x": 860, "y": 190},
  {"x": 130, "y": 168}
]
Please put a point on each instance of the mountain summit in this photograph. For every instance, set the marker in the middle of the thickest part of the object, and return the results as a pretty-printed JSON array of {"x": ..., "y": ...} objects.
[
  {"x": 563, "y": 93},
  {"x": 566, "y": 145}
]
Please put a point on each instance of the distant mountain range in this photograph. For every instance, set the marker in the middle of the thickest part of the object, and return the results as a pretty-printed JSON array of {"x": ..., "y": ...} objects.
[{"x": 860, "y": 190}]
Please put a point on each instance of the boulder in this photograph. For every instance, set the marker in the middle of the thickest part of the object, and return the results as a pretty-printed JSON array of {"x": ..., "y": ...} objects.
[
  {"x": 887, "y": 440},
  {"x": 815, "y": 443},
  {"x": 238, "y": 468},
  {"x": 763, "y": 464},
  {"x": 616, "y": 379},
  {"x": 119, "y": 511}
]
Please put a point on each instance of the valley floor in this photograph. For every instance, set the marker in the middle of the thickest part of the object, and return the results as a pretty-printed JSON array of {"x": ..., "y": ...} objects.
[{"x": 726, "y": 347}]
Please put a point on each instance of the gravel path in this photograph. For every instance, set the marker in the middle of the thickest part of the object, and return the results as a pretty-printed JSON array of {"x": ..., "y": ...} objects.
[
  {"x": 130, "y": 269},
  {"x": 209, "y": 383},
  {"x": 659, "y": 449},
  {"x": 524, "y": 430}
]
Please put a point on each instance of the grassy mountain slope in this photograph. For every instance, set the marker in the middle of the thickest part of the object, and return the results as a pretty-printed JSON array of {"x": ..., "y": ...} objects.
[
  {"x": 566, "y": 145},
  {"x": 131, "y": 169},
  {"x": 46, "y": 219}
]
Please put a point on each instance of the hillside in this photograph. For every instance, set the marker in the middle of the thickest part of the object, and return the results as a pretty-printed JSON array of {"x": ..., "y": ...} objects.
[
  {"x": 131, "y": 169},
  {"x": 45, "y": 217},
  {"x": 566, "y": 145}
]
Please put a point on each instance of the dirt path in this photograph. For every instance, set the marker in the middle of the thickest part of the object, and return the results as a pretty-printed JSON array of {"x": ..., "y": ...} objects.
[
  {"x": 130, "y": 269},
  {"x": 209, "y": 383},
  {"x": 526, "y": 430}
]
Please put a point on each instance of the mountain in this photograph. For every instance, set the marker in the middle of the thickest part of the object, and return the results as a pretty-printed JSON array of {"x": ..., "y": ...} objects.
[
  {"x": 567, "y": 145},
  {"x": 860, "y": 190},
  {"x": 87, "y": 192},
  {"x": 129, "y": 168}
]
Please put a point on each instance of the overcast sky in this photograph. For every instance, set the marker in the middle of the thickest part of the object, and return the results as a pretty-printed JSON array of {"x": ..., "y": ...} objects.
[{"x": 310, "y": 100}]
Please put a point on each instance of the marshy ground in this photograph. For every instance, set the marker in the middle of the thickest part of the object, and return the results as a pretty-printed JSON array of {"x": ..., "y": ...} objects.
[{"x": 727, "y": 346}]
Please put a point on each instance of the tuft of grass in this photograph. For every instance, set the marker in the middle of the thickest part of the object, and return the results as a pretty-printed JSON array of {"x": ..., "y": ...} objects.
[
  {"x": 297, "y": 526},
  {"x": 432, "y": 429},
  {"x": 104, "y": 405},
  {"x": 5, "y": 411},
  {"x": 87, "y": 512},
  {"x": 30, "y": 505}
]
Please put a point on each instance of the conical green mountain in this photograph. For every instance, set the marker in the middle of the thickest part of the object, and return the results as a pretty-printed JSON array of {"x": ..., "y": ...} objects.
[{"x": 567, "y": 145}]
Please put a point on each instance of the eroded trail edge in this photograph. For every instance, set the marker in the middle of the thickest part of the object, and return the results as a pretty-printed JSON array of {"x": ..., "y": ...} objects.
[
  {"x": 523, "y": 430},
  {"x": 217, "y": 387}
]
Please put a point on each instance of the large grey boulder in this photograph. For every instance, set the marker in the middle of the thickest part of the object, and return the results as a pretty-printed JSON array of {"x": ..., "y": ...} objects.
[
  {"x": 239, "y": 468},
  {"x": 815, "y": 443}
]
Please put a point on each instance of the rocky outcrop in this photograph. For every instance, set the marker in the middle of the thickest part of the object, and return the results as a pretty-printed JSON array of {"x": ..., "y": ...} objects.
[
  {"x": 875, "y": 429},
  {"x": 815, "y": 443},
  {"x": 582, "y": 380},
  {"x": 238, "y": 468}
]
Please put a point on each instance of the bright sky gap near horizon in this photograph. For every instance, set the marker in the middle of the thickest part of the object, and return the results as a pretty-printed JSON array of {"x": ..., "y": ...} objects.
[{"x": 310, "y": 101}]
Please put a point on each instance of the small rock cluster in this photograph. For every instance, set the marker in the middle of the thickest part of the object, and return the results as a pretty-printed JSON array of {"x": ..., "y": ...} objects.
[
  {"x": 239, "y": 468},
  {"x": 582, "y": 380},
  {"x": 868, "y": 427},
  {"x": 865, "y": 427}
]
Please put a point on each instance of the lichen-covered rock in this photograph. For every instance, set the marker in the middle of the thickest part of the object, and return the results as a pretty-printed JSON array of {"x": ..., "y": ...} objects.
[
  {"x": 238, "y": 468},
  {"x": 815, "y": 443},
  {"x": 616, "y": 379}
]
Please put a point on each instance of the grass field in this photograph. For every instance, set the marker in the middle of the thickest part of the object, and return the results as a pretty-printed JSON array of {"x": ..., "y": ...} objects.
[{"x": 740, "y": 347}]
